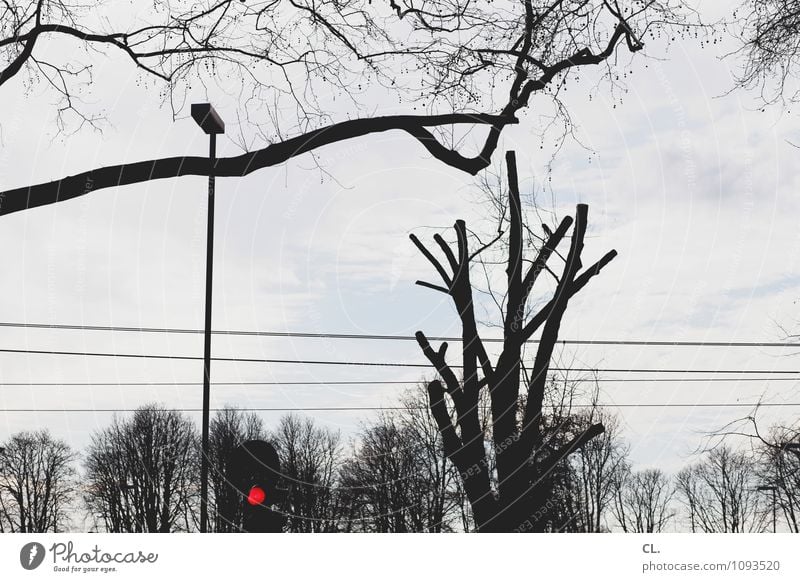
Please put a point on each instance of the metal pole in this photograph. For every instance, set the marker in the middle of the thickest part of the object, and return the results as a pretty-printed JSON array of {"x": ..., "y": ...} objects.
[{"x": 212, "y": 154}]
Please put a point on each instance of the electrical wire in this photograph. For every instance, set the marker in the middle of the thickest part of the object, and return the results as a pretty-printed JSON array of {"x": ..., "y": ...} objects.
[{"x": 355, "y": 336}]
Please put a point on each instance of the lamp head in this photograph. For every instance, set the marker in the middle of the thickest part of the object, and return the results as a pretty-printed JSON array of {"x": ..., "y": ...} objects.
[{"x": 207, "y": 118}]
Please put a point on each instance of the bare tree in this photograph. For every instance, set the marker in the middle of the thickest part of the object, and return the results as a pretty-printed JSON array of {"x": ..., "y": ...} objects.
[
  {"x": 37, "y": 483},
  {"x": 229, "y": 428},
  {"x": 770, "y": 55},
  {"x": 445, "y": 499},
  {"x": 779, "y": 467},
  {"x": 142, "y": 472},
  {"x": 390, "y": 483},
  {"x": 589, "y": 478},
  {"x": 310, "y": 459},
  {"x": 524, "y": 457},
  {"x": 400, "y": 479},
  {"x": 465, "y": 64},
  {"x": 642, "y": 501},
  {"x": 719, "y": 492}
]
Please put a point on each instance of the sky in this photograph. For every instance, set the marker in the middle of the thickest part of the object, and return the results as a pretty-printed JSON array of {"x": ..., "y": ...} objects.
[{"x": 689, "y": 180}]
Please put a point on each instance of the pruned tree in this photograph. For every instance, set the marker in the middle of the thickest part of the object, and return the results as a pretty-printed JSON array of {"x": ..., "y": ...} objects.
[
  {"x": 720, "y": 493},
  {"x": 524, "y": 456},
  {"x": 37, "y": 483},
  {"x": 642, "y": 501},
  {"x": 142, "y": 472},
  {"x": 465, "y": 64},
  {"x": 310, "y": 460},
  {"x": 229, "y": 428}
]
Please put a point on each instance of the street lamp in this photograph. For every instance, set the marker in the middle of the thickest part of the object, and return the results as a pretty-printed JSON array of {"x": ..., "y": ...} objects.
[
  {"x": 211, "y": 123},
  {"x": 774, "y": 503}
]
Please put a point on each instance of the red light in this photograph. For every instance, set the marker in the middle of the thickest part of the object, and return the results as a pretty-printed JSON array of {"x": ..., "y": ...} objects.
[{"x": 256, "y": 495}]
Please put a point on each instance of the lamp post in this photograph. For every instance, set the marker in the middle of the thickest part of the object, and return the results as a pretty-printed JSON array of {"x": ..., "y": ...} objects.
[
  {"x": 774, "y": 503},
  {"x": 211, "y": 123}
]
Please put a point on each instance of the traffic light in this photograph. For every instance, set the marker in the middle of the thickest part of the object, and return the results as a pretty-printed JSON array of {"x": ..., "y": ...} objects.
[{"x": 255, "y": 472}]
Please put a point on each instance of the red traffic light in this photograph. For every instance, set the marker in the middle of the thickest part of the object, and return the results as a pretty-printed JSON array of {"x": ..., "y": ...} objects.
[{"x": 256, "y": 495}]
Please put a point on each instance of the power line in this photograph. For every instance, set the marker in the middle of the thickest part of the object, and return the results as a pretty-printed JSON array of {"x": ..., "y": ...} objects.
[
  {"x": 385, "y": 364},
  {"x": 379, "y": 408},
  {"x": 356, "y": 336},
  {"x": 369, "y": 383}
]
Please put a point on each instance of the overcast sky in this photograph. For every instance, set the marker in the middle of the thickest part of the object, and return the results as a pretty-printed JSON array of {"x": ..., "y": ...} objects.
[{"x": 694, "y": 186}]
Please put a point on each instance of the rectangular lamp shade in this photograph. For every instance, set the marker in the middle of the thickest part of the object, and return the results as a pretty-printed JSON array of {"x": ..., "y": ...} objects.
[{"x": 207, "y": 118}]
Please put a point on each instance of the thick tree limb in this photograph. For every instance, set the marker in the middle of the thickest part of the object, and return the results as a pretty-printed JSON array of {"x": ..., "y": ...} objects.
[
  {"x": 433, "y": 261},
  {"x": 544, "y": 351},
  {"x": 73, "y": 186},
  {"x": 460, "y": 289},
  {"x": 533, "y": 408},
  {"x": 437, "y": 358},
  {"x": 543, "y": 256},
  {"x": 574, "y": 444},
  {"x": 448, "y": 252},
  {"x": 516, "y": 307},
  {"x": 580, "y": 282},
  {"x": 434, "y": 287},
  {"x": 452, "y": 444}
]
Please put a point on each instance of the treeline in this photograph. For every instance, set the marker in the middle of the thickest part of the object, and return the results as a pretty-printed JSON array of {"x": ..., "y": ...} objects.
[{"x": 141, "y": 474}]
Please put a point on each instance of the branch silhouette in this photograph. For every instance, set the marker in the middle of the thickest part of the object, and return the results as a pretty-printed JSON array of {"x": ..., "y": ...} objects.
[{"x": 83, "y": 183}]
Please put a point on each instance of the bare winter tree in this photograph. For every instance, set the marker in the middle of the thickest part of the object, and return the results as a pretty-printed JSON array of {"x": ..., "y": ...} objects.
[
  {"x": 779, "y": 467},
  {"x": 770, "y": 53},
  {"x": 778, "y": 463},
  {"x": 776, "y": 460},
  {"x": 142, "y": 472},
  {"x": 589, "y": 478},
  {"x": 310, "y": 460},
  {"x": 720, "y": 493},
  {"x": 642, "y": 501},
  {"x": 464, "y": 64},
  {"x": 229, "y": 428},
  {"x": 388, "y": 483},
  {"x": 399, "y": 478},
  {"x": 524, "y": 457},
  {"x": 444, "y": 498},
  {"x": 37, "y": 483}
]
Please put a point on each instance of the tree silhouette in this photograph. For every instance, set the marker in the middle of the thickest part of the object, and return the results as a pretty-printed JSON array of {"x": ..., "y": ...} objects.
[
  {"x": 465, "y": 64},
  {"x": 770, "y": 55},
  {"x": 775, "y": 462},
  {"x": 37, "y": 483},
  {"x": 310, "y": 460},
  {"x": 524, "y": 457},
  {"x": 142, "y": 473},
  {"x": 642, "y": 501},
  {"x": 589, "y": 478},
  {"x": 720, "y": 494},
  {"x": 779, "y": 467},
  {"x": 398, "y": 478}
]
